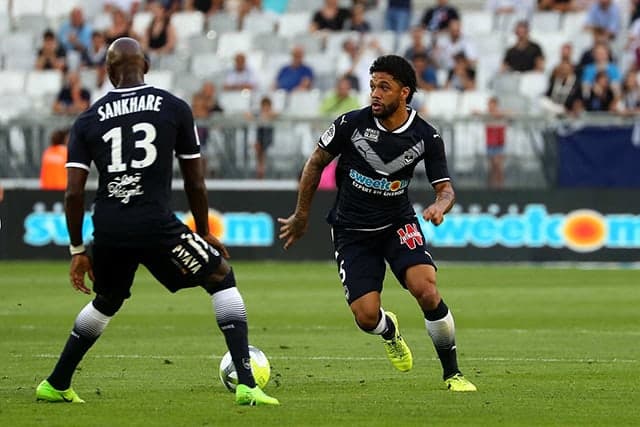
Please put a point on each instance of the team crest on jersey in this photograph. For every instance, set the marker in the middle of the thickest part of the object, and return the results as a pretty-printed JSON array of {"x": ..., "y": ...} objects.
[
  {"x": 124, "y": 187},
  {"x": 371, "y": 134},
  {"x": 328, "y": 135},
  {"x": 410, "y": 236}
]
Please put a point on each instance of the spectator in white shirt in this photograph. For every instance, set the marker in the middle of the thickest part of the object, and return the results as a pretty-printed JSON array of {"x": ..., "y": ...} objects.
[{"x": 240, "y": 76}]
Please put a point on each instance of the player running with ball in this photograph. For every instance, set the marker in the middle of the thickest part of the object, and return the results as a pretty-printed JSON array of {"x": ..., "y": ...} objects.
[{"x": 372, "y": 220}]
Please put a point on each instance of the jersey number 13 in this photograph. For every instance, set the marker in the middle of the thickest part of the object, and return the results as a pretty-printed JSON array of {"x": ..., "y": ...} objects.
[{"x": 114, "y": 136}]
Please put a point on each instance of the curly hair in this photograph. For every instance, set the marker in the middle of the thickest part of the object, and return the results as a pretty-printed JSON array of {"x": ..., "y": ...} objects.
[{"x": 399, "y": 68}]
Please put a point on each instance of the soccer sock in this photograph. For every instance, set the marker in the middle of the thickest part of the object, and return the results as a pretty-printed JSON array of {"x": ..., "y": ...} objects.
[
  {"x": 231, "y": 316},
  {"x": 87, "y": 328},
  {"x": 442, "y": 331},
  {"x": 385, "y": 326}
]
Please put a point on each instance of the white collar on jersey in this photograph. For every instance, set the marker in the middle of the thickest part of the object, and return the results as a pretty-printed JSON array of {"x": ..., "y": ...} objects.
[
  {"x": 128, "y": 89},
  {"x": 405, "y": 126}
]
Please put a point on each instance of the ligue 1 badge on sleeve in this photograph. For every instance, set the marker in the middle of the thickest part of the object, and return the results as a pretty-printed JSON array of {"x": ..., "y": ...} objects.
[{"x": 328, "y": 135}]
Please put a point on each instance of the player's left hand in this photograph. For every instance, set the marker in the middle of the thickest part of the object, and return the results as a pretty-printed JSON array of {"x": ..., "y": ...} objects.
[
  {"x": 434, "y": 214},
  {"x": 213, "y": 241},
  {"x": 80, "y": 265},
  {"x": 291, "y": 229}
]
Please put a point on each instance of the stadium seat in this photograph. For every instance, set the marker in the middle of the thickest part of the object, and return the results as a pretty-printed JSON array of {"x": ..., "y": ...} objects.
[
  {"x": 278, "y": 99},
  {"x": 442, "y": 103},
  {"x": 12, "y": 81},
  {"x": 101, "y": 21},
  {"x": 573, "y": 22},
  {"x": 473, "y": 101},
  {"x": 475, "y": 22},
  {"x": 386, "y": 40},
  {"x": 187, "y": 24},
  {"x": 375, "y": 18},
  {"x": 294, "y": 6},
  {"x": 12, "y": 106},
  {"x": 233, "y": 42},
  {"x": 291, "y": 24},
  {"x": 88, "y": 78},
  {"x": 546, "y": 21},
  {"x": 19, "y": 61},
  {"x": 335, "y": 40},
  {"x": 236, "y": 101},
  {"x": 533, "y": 84},
  {"x": 54, "y": 9},
  {"x": 202, "y": 43},
  {"x": 311, "y": 43},
  {"x": 141, "y": 22},
  {"x": 550, "y": 42},
  {"x": 270, "y": 42},
  {"x": 5, "y": 24},
  {"x": 35, "y": 24},
  {"x": 162, "y": 79},
  {"x": 18, "y": 42},
  {"x": 303, "y": 103},
  {"x": 259, "y": 23},
  {"x": 404, "y": 42},
  {"x": 206, "y": 64},
  {"x": 27, "y": 7},
  {"x": 43, "y": 83},
  {"x": 224, "y": 22},
  {"x": 4, "y": 7}
]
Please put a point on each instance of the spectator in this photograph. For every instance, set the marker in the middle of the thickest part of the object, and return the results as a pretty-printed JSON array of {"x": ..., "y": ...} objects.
[
  {"x": 398, "y": 16},
  {"x": 264, "y": 133},
  {"x": 340, "y": 100},
  {"x": 600, "y": 96},
  {"x": 426, "y": 73},
  {"x": 297, "y": 75},
  {"x": 495, "y": 137},
  {"x": 355, "y": 59},
  {"x": 358, "y": 21},
  {"x": 75, "y": 33},
  {"x": 601, "y": 63},
  {"x": 72, "y": 98},
  {"x": 208, "y": 91},
  {"x": 241, "y": 76},
  {"x": 53, "y": 175},
  {"x": 437, "y": 17},
  {"x": 605, "y": 15},
  {"x": 51, "y": 55},
  {"x": 525, "y": 55},
  {"x": 208, "y": 7},
  {"x": 160, "y": 36},
  {"x": 452, "y": 43},
  {"x": 561, "y": 6},
  {"x": 418, "y": 46},
  {"x": 200, "y": 109},
  {"x": 462, "y": 76},
  {"x": 630, "y": 104},
  {"x": 95, "y": 55},
  {"x": 505, "y": 10},
  {"x": 129, "y": 7},
  {"x": 563, "y": 87},
  {"x": 600, "y": 36},
  {"x": 277, "y": 7},
  {"x": 330, "y": 17},
  {"x": 120, "y": 27}
]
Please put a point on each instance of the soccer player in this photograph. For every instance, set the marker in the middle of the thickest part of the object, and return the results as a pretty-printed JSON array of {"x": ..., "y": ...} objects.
[
  {"x": 131, "y": 135},
  {"x": 372, "y": 220}
]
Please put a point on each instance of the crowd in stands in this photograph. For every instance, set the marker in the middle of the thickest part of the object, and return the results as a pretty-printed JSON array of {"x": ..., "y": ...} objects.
[{"x": 565, "y": 56}]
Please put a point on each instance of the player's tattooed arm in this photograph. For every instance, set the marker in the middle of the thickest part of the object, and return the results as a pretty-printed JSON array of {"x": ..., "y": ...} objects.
[
  {"x": 445, "y": 198},
  {"x": 294, "y": 227}
]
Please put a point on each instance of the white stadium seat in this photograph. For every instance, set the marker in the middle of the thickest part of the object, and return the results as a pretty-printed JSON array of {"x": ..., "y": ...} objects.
[
  {"x": 141, "y": 21},
  {"x": 473, "y": 101},
  {"x": 43, "y": 83},
  {"x": 236, "y": 101},
  {"x": 231, "y": 43},
  {"x": 162, "y": 79},
  {"x": 187, "y": 24},
  {"x": 476, "y": 22},
  {"x": 27, "y": 7},
  {"x": 12, "y": 81},
  {"x": 442, "y": 103},
  {"x": 59, "y": 8},
  {"x": 291, "y": 24},
  {"x": 533, "y": 84},
  {"x": 303, "y": 103}
]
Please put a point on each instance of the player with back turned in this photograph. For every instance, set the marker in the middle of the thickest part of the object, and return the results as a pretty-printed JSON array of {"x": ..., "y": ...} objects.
[
  {"x": 131, "y": 135},
  {"x": 373, "y": 221}
]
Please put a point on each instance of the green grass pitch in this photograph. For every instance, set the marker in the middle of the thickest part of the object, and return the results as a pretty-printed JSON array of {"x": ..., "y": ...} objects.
[{"x": 544, "y": 346}]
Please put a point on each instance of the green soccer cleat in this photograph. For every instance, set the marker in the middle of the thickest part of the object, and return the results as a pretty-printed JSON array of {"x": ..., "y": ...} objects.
[
  {"x": 459, "y": 383},
  {"x": 253, "y": 396},
  {"x": 46, "y": 392},
  {"x": 398, "y": 351}
]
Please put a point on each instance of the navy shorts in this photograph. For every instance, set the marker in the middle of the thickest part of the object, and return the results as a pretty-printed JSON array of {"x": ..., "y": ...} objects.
[
  {"x": 361, "y": 256},
  {"x": 182, "y": 262}
]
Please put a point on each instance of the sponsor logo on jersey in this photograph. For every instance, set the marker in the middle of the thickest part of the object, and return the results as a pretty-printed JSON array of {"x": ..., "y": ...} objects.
[
  {"x": 410, "y": 236},
  {"x": 125, "y": 186},
  {"x": 371, "y": 134},
  {"x": 328, "y": 135},
  {"x": 382, "y": 185}
]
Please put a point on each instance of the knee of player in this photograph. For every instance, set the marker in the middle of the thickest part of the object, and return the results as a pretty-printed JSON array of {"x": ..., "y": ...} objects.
[
  {"x": 220, "y": 280},
  {"x": 108, "y": 305},
  {"x": 425, "y": 291},
  {"x": 367, "y": 319}
]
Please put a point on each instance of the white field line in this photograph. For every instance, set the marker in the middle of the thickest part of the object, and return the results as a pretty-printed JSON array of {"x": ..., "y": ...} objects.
[{"x": 341, "y": 358}]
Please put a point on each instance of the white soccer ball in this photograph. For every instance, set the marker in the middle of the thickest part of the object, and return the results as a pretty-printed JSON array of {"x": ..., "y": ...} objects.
[{"x": 260, "y": 368}]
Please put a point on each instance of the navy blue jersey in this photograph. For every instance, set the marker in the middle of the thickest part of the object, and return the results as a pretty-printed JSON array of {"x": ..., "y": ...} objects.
[
  {"x": 376, "y": 166},
  {"x": 131, "y": 135}
]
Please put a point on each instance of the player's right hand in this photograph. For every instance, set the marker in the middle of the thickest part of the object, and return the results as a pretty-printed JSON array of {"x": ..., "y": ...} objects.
[
  {"x": 291, "y": 229},
  {"x": 80, "y": 265}
]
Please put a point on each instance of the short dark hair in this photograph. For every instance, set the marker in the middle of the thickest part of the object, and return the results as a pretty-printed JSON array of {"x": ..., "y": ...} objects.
[{"x": 399, "y": 68}]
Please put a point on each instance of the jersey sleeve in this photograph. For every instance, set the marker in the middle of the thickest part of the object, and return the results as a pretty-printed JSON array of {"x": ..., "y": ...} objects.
[
  {"x": 335, "y": 137},
  {"x": 188, "y": 142},
  {"x": 435, "y": 161},
  {"x": 78, "y": 154}
]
